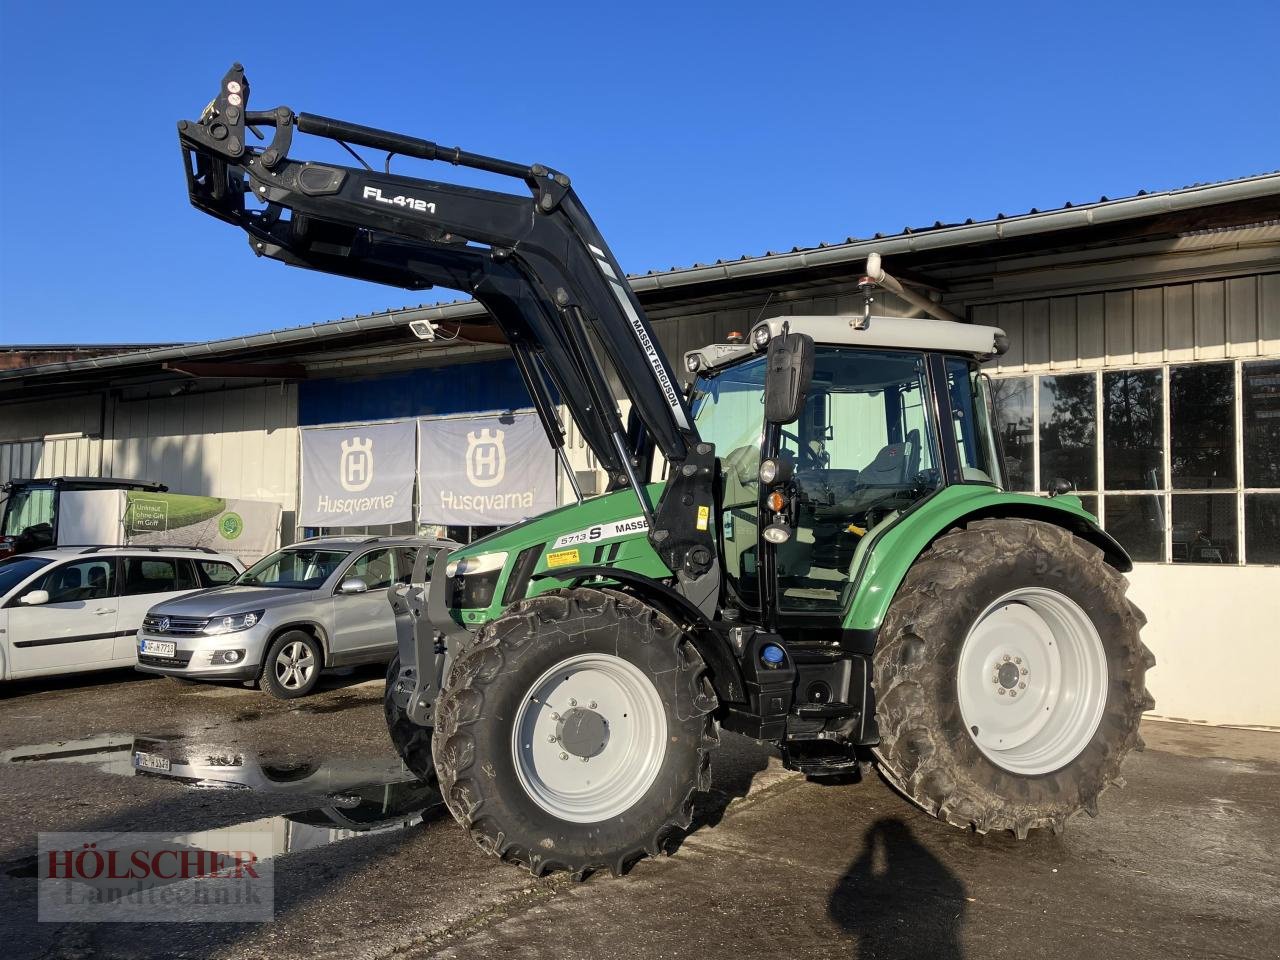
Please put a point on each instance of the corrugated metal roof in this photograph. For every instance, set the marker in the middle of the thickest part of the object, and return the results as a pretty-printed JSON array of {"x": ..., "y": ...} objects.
[{"x": 1104, "y": 210}]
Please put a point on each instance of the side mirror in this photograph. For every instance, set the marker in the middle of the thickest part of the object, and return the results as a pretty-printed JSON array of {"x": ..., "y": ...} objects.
[
  {"x": 353, "y": 585},
  {"x": 1060, "y": 485},
  {"x": 788, "y": 373},
  {"x": 35, "y": 598}
]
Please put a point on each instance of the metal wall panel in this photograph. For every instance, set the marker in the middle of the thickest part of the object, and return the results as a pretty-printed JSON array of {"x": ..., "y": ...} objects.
[
  {"x": 230, "y": 443},
  {"x": 1170, "y": 323},
  {"x": 65, "y": 456}
]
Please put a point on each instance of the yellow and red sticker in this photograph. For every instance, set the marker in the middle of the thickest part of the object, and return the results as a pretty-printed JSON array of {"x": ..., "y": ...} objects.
[{"x": 562, "y": 558}]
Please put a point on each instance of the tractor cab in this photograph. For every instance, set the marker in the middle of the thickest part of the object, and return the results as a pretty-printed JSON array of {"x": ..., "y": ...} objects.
[{"x": 893, "y": 411}]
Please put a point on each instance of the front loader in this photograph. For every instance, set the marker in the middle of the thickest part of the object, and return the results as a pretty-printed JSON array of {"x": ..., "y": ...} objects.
[{"x": 830, "y": 563}]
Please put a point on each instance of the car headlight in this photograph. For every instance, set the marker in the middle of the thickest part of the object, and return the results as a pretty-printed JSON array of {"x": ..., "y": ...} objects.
[
  {"x": 481, "y": 563},
  {"x": 233, "y": 623}
]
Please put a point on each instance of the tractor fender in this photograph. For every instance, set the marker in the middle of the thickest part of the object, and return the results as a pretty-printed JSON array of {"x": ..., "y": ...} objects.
[
  {"x": 726, "y": 672},
  {"x": 881, "y": 565}
]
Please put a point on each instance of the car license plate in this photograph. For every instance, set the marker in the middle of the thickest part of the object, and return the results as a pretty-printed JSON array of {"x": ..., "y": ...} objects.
[
  {"x": 158, "y": 648},
  {"x": 149, "y": 761}
]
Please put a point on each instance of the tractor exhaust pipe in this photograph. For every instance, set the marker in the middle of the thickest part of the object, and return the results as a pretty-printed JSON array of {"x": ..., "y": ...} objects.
[{"x": 877, "y": 276}]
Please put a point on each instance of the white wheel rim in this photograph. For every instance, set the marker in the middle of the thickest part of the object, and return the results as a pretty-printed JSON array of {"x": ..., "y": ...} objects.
[
  {"x": 612, "y": 706},
  {"x": 1032, "y": 681},
  {"x": 294, "y": 665}
]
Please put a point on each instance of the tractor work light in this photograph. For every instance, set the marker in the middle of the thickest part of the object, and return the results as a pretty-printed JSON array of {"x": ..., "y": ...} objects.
[
  {"x": 692, "y": 362},
  {"x": 777, "y": 533},
  {"x": 775, "y": 470},
  {"x": 760, "y": 336}
]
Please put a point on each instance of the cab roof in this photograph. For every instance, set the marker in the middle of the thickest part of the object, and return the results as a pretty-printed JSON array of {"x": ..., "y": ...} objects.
[{"x": 944, "y": 336}]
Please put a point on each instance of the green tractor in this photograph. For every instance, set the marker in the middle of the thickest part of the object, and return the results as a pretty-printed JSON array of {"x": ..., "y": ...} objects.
[{"x": 829, "y": 564}]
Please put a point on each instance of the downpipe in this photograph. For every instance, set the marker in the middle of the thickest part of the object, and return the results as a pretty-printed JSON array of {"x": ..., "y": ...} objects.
[{"x": 877, "y": 275}]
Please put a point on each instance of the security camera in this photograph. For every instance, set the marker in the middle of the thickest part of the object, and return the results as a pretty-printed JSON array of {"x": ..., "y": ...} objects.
[{"x": 423, "y": 329}]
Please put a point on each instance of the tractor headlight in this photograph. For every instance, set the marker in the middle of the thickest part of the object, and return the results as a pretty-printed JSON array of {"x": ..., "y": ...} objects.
[
  {"x": 474, "y": 580},
  {"x": 777, "y": 533},
  {"x": 481, "y": 563},
  {"x": 775, "y": 470},
  {"x": 232, "y": 624},
  {"x": 760, "y": 336}
]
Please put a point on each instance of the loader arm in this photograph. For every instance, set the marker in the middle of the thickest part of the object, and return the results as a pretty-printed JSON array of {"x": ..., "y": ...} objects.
[{"x": 537, "y": 262}]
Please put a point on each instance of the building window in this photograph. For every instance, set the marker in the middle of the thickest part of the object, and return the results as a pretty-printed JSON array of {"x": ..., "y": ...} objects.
[
  {"x": 1202, "y": 446},
  {"x": 1014, "y": 408},
  {"x": 1068, "y": 430},
  {"x": 1260, "y": 385},
  {"x": 1262, "y": 527},
  {"x": 1133, "y": 429},
  {"x": 1181, "y": 462}
]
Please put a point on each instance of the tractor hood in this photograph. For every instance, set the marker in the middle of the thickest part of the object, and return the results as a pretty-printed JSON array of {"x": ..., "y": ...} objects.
[{"x": 605, "y": 531}]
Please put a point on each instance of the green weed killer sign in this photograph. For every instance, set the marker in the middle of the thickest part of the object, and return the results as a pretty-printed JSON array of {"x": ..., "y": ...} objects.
[{"x": 230, "y": 525}]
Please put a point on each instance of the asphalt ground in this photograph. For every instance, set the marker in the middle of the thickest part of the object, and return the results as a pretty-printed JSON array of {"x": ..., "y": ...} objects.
[{"x": 1183, "y": 862}]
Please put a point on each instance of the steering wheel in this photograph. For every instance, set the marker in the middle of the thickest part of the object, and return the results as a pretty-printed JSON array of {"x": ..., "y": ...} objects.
[{"x": 808, "y": 456}]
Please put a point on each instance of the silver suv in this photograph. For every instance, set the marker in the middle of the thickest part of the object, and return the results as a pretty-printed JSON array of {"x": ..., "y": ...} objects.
[{"x": 320, "y": 603}]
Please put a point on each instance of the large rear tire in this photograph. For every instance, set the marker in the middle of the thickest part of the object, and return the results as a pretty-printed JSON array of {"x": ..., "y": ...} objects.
[
  {"x": 575, "y": 732},
  {"x": 1009, "y": 677}
]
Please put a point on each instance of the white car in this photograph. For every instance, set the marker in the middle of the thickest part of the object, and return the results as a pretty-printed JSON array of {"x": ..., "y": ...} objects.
[{"x": 79, "y": 608}]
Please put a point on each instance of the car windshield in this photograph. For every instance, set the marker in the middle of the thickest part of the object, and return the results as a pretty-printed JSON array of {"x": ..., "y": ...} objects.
[
  {"x": 300, "y": 569},
  {"x": 16, "y": 569}
]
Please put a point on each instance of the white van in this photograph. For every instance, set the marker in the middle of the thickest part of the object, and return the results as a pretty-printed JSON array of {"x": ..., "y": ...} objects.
[{"x": 77, "y": 609}]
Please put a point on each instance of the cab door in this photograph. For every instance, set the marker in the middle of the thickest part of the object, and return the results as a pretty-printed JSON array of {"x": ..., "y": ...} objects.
[
  {"x": 364, "y": 626},
  {"x": 76, "y": 629}
]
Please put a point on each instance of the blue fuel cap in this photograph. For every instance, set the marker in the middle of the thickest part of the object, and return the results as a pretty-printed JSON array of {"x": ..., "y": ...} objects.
[{"x": 772, "y": 654}]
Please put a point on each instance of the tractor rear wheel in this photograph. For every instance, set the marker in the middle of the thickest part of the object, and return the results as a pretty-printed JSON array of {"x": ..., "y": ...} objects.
[
  {"x": 1009, "y": 677},
  {"x": 575, "y": 732}
]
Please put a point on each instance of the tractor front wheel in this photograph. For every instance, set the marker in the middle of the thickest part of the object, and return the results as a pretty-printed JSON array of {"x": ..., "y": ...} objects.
[
  {"x": 1010, "y": 678},
  {"x": 575, "y": 732}
]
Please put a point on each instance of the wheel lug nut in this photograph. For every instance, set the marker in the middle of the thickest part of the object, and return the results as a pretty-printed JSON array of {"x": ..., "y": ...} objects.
[
  {"x": 552, "y": 739},
  {"x": 1006, "y": 658},
  {"x": 1025, "y": 671},
  {"x": 555, "y": 716},
  {"x": 592, "y": 705},
  {"x": 995, "y": 679},
  {"x": 1013, "y": 693},
  {"x": 573, "y": 702},
  {"x": 564, "y": 756},
  {"x": 1017, "y": 660},
  {"x": 1022, "y": 686},
  {"x": 1002, "y": 691},
  {"x": 585, "y": 759}
]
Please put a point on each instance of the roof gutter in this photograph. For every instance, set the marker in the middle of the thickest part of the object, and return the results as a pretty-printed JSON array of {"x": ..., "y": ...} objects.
[{"x": 1070, "y": 218}]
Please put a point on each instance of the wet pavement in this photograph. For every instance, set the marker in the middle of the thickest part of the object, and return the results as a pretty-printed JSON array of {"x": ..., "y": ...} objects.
[{"x": 1184, "y": 862}]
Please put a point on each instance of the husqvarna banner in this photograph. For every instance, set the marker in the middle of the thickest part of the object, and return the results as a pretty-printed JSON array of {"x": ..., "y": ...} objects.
[
  {"x": 484, "y": 471},
  {"x": 357, "y": 476}
]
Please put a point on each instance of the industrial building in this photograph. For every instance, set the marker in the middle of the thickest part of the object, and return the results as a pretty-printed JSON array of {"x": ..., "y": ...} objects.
[{"x": 1144, "y": 367}]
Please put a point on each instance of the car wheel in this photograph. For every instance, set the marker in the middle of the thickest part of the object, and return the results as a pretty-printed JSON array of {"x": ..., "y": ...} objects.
[{"x": 292, "y": 665}]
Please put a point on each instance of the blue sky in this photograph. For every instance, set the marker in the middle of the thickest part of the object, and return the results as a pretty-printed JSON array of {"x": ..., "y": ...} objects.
[{"x": 691, "y": 130}]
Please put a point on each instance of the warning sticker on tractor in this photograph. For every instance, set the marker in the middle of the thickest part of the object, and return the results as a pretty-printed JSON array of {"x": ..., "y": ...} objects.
[
  {"x": 603, "y": 531},
  {"x": 562, "y": 558},
  {"x": 704, "y": 517}
]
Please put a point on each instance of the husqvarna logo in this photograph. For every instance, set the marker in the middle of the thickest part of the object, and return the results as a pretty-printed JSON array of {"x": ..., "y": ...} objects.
[
  {"x": 486, "y": 458},
  {"x": 355, "y": 469}
]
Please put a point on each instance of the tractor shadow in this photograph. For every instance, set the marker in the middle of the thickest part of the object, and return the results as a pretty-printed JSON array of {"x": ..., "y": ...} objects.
[{"x": 898, "y": 899}]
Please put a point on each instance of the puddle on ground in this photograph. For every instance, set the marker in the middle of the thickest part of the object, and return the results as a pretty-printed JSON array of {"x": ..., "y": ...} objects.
[{"x": 363, "y": 796}]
